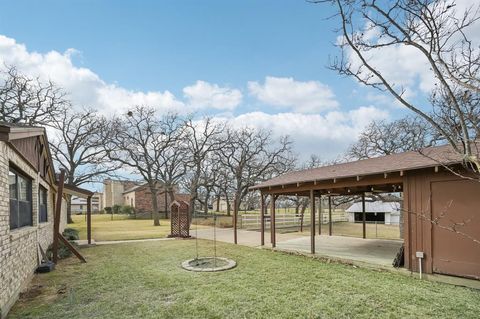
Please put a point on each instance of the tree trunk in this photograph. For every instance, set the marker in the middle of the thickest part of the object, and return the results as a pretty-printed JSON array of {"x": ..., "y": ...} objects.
[
  {"x": 69, "y": 209},
  {"x": 228, "y": 208},
  {"x": 205, "y": 206},
  {"x": 193, "y": 198},
  {"x": 155, "y": 214},
  {"x": 218, "y": 204},
  {"x": 171, "y": 195},
  {"x": 166, "y": 203}
]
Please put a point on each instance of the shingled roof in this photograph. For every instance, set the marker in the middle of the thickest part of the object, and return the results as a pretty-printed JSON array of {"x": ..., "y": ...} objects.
[{"x": 407, "y": 161}]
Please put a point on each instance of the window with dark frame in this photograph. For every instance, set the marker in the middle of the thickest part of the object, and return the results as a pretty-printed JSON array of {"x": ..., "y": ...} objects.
[
  {"x": 20, "y": 189},
  {"x": 42, "y": 205}
]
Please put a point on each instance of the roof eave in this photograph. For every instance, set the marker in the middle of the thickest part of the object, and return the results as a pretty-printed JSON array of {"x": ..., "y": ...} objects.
[{"x": 260, "y": 187}]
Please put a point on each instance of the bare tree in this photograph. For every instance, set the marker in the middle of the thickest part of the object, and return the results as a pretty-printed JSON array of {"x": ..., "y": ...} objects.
[
  {"x": 77, "y": 146},
  {"x": 28, "y": 100},
  {"x": 202, "y": 138},
  {"x": 440, "y": 35},
  {"x": 208, "y": 184},
  {"x": 250, "y": 156},
  {"x": 143, "y": 143},
  {"x": 385, "y": 138}
]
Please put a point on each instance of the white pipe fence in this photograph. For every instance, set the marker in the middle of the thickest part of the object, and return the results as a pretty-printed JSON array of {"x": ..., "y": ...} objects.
[{"x": 284, "y": 220}]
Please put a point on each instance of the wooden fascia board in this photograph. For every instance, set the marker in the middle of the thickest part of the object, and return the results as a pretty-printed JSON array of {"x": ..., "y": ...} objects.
[
  {"x": 19, "y": 133},
  {"x": 77, "y": 191},
  {"x": 344, "y": 183}
]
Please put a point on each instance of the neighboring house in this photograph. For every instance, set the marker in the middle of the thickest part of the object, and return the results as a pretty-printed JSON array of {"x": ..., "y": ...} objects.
[
  {"x": 113, "y": 191},
  {"x": 27, "y": 194},
  {"x": 220, "y": 204},
  {"x": 79, "y": 204},
  {"x": 375, "y": 211},
  {"x": 140, "y": 198}
]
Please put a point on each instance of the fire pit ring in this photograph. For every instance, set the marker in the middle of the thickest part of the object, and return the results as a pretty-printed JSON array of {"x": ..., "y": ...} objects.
[{"x": 208, "y": 264}]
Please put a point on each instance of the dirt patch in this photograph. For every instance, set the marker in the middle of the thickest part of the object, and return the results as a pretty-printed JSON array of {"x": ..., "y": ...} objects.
[{"x": 32, "y": 292}]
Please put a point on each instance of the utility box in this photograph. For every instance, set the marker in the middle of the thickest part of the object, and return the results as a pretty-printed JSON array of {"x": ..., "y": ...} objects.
[
  {"x": 179, "y": 219},
  {"x": 419, "y": 254}
]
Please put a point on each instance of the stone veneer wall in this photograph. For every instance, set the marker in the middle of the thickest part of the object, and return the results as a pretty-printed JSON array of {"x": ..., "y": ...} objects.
[{"x": 19, "y": 247}]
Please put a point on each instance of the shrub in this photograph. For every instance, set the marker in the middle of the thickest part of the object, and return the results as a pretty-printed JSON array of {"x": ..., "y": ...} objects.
[
  {"x": 71, "y": 234},
  {"x": 108, "y": 210},
  {"x": 126, "y": 209},
  {"x": 116, "y": 209},
  {"x": 63, "y": 252}
]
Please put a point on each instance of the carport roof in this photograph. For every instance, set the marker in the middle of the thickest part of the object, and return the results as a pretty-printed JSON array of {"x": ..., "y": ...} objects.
[{"x": 428, "y": 157}]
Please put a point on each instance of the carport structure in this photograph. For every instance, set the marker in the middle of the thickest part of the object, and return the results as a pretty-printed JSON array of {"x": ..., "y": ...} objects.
[{"x": 430, "y": 189}]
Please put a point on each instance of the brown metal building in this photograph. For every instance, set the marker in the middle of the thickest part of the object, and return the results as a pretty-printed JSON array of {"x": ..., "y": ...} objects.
[{"x": 441, "y": 204}]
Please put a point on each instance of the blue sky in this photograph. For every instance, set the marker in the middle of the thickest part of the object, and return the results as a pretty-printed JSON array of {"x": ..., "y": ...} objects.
[
  {"x": 260, "y": 63},
  {"x": 148, "y": 45}
]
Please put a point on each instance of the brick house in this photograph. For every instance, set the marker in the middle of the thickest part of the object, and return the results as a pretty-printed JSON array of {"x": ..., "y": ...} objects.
[
  {"x": 140, "y": 198},
  {"x": 28, "y": 191}
]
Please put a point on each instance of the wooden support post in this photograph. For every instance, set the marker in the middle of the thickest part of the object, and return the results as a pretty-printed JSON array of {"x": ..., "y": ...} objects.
[
  {"x": 235, "y": 212},
  {"x": 272, "y": 221},
  {"x": 56, "y": 218},
  {"x": 89, "y": 220},
  {"x": 329, "y": 215},
  {"x": 364, "y": 216},
  {"x": 262, "y": 219},
  {"x": 312, "y": 221},
  {"x": 71, "y": 247},
  {"x": 320, "y": 214}
]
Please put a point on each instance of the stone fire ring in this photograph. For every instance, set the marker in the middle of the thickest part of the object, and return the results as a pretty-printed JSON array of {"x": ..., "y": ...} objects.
[{"x": 190, "y": 264}]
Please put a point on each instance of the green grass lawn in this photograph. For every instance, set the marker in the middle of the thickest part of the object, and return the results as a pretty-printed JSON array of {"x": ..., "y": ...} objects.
[
  {"x": 144, "y": 280},
  {"x": 120, "y": 228}
]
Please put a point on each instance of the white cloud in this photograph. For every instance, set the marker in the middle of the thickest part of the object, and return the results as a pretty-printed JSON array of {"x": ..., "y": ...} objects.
[
  {"x": 85, "y": 87},
  {"x": 405, "y": 66},
  {"x": 326, "y": 135},
  {"x": 303, "y": 97},
  {"x": 206, "y": 95}
]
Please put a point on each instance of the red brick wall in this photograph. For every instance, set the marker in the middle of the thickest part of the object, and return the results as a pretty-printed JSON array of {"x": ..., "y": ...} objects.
[{"x": 143, "y": 200}]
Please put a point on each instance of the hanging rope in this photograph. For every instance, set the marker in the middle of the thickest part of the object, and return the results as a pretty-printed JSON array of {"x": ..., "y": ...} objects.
[
  {"x": 215, "y": 239},
  {"x": 196, "y": 233}
]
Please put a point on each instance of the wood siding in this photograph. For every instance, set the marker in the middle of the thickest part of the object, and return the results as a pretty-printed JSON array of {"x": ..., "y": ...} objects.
[
  {"x": 34, "y": 152},
  {"x": 446, "y": 199}
]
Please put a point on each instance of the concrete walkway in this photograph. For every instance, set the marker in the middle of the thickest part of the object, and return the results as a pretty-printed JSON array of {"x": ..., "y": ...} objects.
[{"x": 371, "y": 251}]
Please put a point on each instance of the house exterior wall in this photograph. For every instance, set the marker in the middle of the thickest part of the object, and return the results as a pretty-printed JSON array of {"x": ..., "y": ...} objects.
[
  {"x": 129, "y": 199},
  {"x": 142, "y": 200},
  {"x": 388, "y": 218},
  {"x": 393, "y": 219},
  {"x": 113, "y": 192},
  {"x": 79, "y": 204},
  {"x": 19, "y": 247}
]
